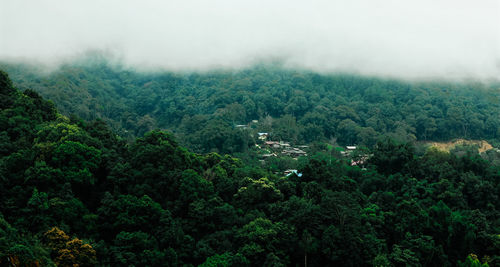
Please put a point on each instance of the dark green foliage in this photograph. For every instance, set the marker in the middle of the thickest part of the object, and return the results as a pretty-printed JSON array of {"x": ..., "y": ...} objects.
[
  {"x": 390, "y": 157},
  {"x": 297, "y": 106},
  {"x": 25, "y": 248},
  {"x": 6, "y": 90},
  {"x": 152, "y": 202}
]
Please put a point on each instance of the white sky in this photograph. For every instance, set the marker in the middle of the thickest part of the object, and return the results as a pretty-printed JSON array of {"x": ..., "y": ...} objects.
[{"x": 402, "y": 38}]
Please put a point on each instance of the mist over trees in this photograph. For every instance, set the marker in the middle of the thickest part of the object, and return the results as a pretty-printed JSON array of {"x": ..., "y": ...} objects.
[
  {"x": 249, "y": 133},
  {"x": 451, "y": 39},
  {"x": 202, "y": 109}
]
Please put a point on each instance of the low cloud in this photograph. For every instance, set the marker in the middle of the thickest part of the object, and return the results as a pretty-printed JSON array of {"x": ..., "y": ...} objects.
[{"x": 406, "y": 39}]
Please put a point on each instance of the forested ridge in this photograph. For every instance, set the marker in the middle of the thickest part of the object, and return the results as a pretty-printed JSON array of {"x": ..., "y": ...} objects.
[
  {"x": 201, "y": 109},
  {"x": 75, "y": 193}
]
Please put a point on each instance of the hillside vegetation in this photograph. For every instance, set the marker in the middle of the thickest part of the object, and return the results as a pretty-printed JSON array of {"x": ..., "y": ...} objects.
[
  {"x": 202, "y": 109},
  {"x": 482, "y": 145},
  {"x": 74, "y": 193}
]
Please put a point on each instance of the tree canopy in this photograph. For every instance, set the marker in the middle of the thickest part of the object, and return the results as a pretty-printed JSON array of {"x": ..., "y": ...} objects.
[{"x": 75, "y": 193}]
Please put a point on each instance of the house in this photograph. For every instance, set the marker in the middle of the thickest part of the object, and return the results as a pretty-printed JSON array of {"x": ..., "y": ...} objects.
[
  {"x": 241, "y": 126},
  {"x": 268, "y": 155},
  {"x": 284, "y": 144},
  {"x": 351, "y": 147},
  {"x": 294, "y": 152},
  {"x": 272, "y": 144},
  {"x": 263, "y": 136}
]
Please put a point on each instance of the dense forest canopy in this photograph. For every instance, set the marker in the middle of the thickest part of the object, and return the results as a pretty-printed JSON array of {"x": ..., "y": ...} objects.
[
  {"x": 297, "y": 106},
  {"x": 75, "y": 193}
]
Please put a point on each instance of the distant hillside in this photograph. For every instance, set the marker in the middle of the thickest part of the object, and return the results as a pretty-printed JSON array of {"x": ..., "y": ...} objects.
[{"x": 202, "y": 109}]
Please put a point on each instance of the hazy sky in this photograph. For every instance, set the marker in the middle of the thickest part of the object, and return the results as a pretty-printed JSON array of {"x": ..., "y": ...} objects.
[{"x": 403, "y": 38}]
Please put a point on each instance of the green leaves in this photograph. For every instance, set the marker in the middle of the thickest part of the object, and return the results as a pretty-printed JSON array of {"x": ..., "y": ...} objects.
[
  {"x": 129, "y": 213},
  {"x": 391, "y": 157},
  {"x": 257, "y": 192},
  {"x": 193, "y": 186},
  {"x": 77, "y": 161},
  {"x": 153, "y": 203},
  {"x": 6, "y": 90},
  {"x": 261, "y": 236},
  {"x": 472, "y": 261},
  {"x": 225, "y": 260}
]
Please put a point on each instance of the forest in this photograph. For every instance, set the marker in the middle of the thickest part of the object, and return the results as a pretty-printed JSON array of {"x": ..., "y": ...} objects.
[
  {"x": 122, "y": 168},
  {"x": 201, "y": 109}
]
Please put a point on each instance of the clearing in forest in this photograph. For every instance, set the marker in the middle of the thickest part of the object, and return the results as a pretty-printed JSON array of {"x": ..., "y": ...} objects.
[{"x": 483, "y": 145}]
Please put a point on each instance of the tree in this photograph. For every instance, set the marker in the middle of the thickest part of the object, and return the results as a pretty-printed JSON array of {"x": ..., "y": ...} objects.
[
  {"x": 6, "y": 90},
  {"x": 193, "y": 187},
  {"x": 261, "y": 237},
  {"x": 472, "y": 261},
  {"x": 391, "y": 157},
  {"x": 67, "y": 251},
  {"x": 257, "y": 193},
  {"x": 225, "y": 260}
]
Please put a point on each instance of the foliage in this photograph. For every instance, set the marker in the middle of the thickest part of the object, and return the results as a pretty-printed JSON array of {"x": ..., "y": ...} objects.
[
  {"x": 202, "y": 109},
  {"x": 152, "y": 202}
]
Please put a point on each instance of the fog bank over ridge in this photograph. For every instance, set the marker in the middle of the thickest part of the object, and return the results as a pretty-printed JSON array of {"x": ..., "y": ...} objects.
[{"x": 418, "y": 39}]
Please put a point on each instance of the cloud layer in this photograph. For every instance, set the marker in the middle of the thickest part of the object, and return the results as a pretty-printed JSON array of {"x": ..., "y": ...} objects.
[{"x": 408, "y": 39}]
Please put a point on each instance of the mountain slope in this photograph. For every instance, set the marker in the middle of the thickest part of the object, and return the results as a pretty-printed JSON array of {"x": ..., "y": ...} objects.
[
  {"x": 296, "y": 106},
  {"x": 76, "y": 193}
]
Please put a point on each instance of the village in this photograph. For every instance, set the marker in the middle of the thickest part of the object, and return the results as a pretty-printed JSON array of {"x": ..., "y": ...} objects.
[
  {"x": 270, "y": 149},
  {"x": 279, "y": 148}
]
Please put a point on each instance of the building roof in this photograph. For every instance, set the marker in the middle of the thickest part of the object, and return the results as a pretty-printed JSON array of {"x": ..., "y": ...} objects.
[{"x": 271, "y": 142}]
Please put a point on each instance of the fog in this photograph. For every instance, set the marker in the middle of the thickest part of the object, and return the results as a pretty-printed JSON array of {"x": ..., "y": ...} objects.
[{"x": 406, "y": 39}]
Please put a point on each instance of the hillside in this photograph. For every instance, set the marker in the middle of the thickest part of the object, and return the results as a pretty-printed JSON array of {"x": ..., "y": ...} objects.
[
  {"x": 202, "y": 109},
  {"x": 76, "y": 194}
]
